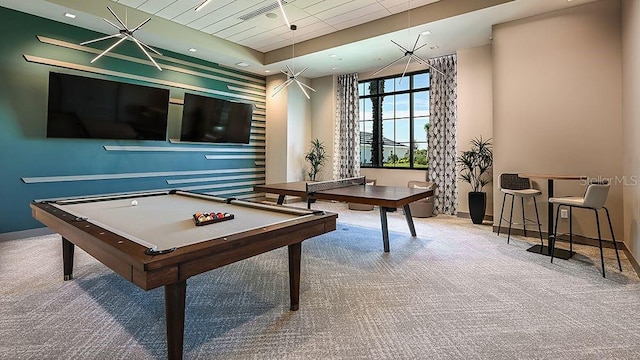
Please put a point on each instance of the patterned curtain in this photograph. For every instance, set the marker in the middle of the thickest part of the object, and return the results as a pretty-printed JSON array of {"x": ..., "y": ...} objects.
[
  {"x": 346, "y": 141},
  {"x": 442, "y": 134}
]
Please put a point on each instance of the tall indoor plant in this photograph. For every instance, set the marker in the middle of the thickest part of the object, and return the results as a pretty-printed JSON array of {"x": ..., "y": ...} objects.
[
  {"x": 316, "y": 157},
  {"x": 475, "y": 165}
]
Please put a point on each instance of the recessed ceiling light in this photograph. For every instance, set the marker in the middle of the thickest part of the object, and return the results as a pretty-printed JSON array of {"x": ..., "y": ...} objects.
[
  {"x": 70, "y": 15},
  {"x": 426, "y": 32},
  {"x": 334, "y": 68},
  {"x": 267, "y": 71},
  {"x": 434, "y": 47},
  {"x": 271, "y": 15},
  {"x": 193, "y": 49},
  {"x": 243, "y": 64},
  {"x": 332, "y": 55}
]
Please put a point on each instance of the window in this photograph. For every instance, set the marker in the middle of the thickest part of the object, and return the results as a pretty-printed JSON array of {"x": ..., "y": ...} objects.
[{"x": 394, "y": 121}]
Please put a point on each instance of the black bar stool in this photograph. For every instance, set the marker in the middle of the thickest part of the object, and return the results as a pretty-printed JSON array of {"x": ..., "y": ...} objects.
[{"x": 514, "y": 185}]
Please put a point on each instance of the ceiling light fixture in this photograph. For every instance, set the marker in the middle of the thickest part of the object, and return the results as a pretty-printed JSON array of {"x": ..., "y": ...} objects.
[
  {"x": 410, "y": 54},
  {"x": 70, "y": 15},
  {"x": 124, "y": 33},
  {"x": 203, "y": 4},
  {"x": 284, "y": 15},
  {"x": 292, "y": 75},
  {"x": 193, "y": 49}
]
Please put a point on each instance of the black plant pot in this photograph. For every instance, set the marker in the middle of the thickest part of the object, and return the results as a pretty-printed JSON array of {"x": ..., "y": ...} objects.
[{"x": 477, "y": 206}]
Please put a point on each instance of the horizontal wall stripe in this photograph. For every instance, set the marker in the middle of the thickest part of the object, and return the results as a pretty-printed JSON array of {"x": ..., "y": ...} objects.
[
  {"x": 258, "y": 137},
  {"x": 161, "y": 60},
  {"x": 182, "y": 149},
  {"x": 218, "y": 178},
  {"x": 256, "y": 143},
  {"x": 253, "y": 92},
  {"x": 50, "y": 179},
  {"x": 258, "y": 131},
  {"x": 260, "y": 163},
  {"x": 259, "y": 125},
  {"x": 233, "y": 157},
  {"x": 257, "y": 111},
  {"x": 95, "y": 70}
]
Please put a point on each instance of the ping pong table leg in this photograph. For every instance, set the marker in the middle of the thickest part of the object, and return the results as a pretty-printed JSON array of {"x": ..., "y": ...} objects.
[
  {"x": 407, "y": 215},
  {"x": 280, "y": 199},
  {"x": 385, "y": 228}
]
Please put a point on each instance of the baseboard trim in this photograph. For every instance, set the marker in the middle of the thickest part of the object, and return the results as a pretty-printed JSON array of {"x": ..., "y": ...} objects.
[
  {"x": 564, "y": 238},
  {"x": 632, "y": 260},
  {"x": 577, "y": 239},
  {"x": 466, "y": 215},
  {"x": 24, "y": 234}
]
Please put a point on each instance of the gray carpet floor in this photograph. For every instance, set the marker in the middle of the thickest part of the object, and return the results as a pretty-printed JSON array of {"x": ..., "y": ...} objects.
[{"x": 457, "y": 291}]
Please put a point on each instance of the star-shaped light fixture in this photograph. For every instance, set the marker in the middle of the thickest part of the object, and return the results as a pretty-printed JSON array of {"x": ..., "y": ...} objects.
[
  {"x": 409, "y": 55},
  {"x": 292, "y": 75},
  {"x": 124, "y": 33}
]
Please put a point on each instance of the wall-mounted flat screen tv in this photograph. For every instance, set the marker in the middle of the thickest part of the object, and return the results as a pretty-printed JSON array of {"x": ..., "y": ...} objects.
[
  {"x": 207, "y": 119},
  {"x": 82, "y": 107}
]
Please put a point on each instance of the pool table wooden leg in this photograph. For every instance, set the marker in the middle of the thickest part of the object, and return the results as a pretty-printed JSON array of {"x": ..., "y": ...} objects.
[
  {"x": 67, "y": 258},
  {"x": 174, "y": 299},
  {"x": 295, "y": 254}
]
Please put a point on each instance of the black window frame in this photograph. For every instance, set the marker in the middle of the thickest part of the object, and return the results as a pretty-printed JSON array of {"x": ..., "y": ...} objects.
[{"x": 377, "y": 142}]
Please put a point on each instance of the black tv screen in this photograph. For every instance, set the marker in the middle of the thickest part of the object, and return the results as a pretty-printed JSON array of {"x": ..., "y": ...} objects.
[
  {"x": 82, "y": 107},
  {"x": 207, "y": 119}
]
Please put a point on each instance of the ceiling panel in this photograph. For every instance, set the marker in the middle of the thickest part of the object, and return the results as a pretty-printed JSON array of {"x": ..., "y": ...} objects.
[
  {"x": 153, "y": 7},
  {"x": 371, "y": 11},
  {"x": 323, "y": 25}
]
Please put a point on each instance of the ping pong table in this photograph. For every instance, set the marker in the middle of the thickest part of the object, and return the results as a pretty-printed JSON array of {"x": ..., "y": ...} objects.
[{"x": 353, "y": 190}]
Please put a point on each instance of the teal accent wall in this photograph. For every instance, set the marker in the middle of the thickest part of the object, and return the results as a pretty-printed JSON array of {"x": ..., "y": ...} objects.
[{"x": 35, "y": 167}]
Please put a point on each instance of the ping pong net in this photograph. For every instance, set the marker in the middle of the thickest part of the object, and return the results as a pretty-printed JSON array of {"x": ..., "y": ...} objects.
[{"x": 334, "y": 184}]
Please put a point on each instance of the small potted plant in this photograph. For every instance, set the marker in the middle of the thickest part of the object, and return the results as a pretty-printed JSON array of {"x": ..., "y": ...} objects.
[
  {"x": 316, "y": 157},
  {"x": 475, "y": 165}
]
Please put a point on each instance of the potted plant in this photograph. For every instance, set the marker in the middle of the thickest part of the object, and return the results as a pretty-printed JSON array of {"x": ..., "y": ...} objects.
[
  {"x": 316, "y": 157},
  {"x": 475, "y": 165}
]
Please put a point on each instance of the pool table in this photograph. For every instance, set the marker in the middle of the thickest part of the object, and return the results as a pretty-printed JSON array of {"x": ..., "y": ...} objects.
[{"x": 152, "y": 239}]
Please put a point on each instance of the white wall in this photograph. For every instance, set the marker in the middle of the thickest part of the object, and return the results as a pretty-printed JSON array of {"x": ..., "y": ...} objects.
[
  {"x": 288, "y": 131},
  {"x": 631, "y": 123},
  {"x": 276, "y": 131},
  {"x": 323, "y": 119},
  {"x": 298, "y": 131},
  {"x": 475, "y": 110},
  {"x": 557, "y": 102}
]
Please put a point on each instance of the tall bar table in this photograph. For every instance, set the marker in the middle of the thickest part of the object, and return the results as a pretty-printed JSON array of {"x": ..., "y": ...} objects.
[{"x": 546, "y": 250}]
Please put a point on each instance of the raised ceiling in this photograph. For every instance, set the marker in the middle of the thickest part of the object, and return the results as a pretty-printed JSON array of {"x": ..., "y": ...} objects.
[{"x": 333, "y": 36}]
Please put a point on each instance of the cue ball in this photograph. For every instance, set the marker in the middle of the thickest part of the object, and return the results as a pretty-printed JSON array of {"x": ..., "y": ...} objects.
[{"x": 134, "y": 202}]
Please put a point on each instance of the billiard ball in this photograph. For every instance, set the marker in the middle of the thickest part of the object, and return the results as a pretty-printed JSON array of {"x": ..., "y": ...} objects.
[{"x": 134, "y": 202}]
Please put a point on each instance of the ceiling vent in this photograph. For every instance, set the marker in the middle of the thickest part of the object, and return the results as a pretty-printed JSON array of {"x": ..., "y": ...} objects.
[{"x": 262, "y": 10}]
